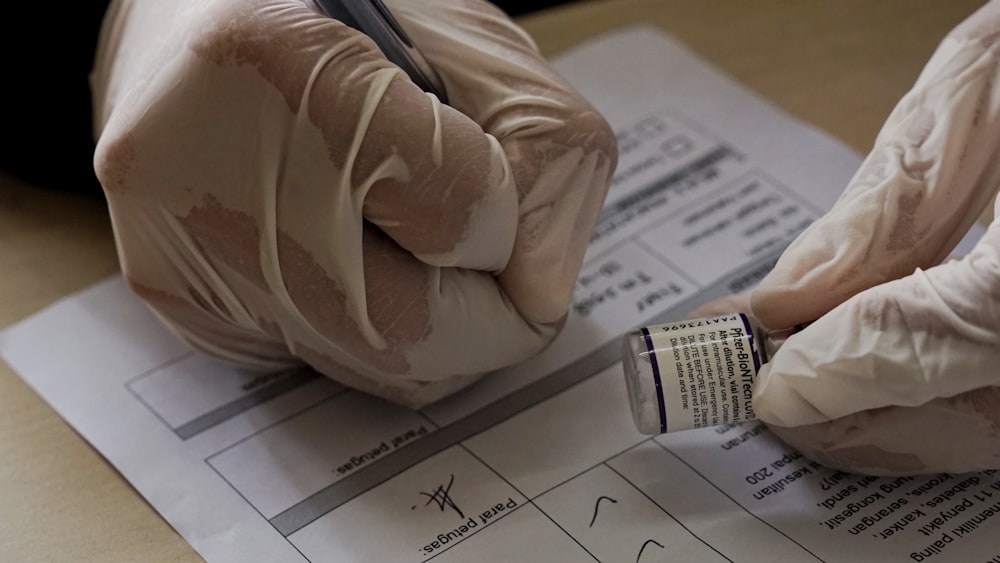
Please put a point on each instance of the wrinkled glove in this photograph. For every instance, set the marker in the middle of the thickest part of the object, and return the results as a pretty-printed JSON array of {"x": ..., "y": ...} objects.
[
  {"x": 899, "y": 373},
  {"x": 282, "y": 194}
]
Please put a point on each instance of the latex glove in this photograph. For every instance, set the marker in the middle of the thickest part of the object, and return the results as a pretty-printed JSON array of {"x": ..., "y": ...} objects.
[
  {"x": 899, "y": 371},
  {"x": 282, "y": 194}
]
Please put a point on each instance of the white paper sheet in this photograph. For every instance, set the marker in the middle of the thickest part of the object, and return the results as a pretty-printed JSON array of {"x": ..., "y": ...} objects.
[{"x": 540, "y": 462}]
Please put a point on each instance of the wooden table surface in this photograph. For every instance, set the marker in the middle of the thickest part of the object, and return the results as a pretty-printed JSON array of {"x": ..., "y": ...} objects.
[{"x": 838, "y": 65}]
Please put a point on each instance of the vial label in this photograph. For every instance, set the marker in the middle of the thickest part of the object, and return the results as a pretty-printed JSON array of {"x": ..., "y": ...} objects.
[{"x": 703, "y": 371}]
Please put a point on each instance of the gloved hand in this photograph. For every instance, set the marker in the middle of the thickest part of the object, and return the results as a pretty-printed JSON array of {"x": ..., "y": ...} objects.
[
  {"x": 899, "y": 373},
  {"x": 282, "y": 194}
]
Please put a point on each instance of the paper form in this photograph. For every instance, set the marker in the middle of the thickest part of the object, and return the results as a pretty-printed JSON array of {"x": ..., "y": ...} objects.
[{"x": 540, "y": 462}]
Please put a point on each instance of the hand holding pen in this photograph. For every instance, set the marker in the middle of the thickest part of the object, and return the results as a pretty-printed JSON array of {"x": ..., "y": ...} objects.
[{"x": 283, "y": 194}]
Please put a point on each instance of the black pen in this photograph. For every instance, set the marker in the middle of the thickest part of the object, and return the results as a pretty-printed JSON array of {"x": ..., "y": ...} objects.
[{"x": 374, "y": 19}]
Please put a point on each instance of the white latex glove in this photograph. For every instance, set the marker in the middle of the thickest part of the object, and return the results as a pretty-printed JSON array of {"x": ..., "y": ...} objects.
[
  {"x": 282, "y": 194},
  {"x": 899, "y": 372}
]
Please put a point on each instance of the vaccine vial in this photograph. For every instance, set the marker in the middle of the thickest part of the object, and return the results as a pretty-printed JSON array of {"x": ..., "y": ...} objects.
[{"x": 693, "y": 373}]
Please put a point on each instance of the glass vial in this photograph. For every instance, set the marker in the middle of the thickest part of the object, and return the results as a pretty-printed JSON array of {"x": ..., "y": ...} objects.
[{"x": 693, "y": 373}]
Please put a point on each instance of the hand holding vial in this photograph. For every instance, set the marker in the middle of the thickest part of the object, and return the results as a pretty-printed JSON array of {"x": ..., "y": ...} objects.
[
  {"x": 899, "y": 373},
  {"x": 899, "y": 370}
]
